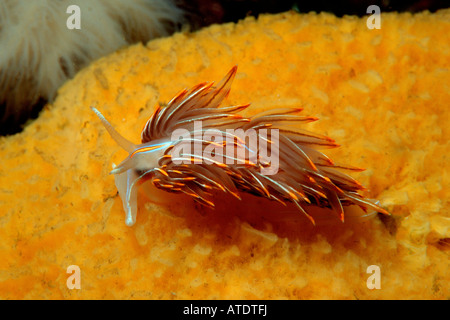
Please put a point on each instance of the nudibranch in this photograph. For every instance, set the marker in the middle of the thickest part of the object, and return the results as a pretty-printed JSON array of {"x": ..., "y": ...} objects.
[{"x": 193, "y": 145}]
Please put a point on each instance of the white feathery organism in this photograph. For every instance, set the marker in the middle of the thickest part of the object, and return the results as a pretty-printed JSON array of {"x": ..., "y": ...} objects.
[{"x": 38, "y": 53}]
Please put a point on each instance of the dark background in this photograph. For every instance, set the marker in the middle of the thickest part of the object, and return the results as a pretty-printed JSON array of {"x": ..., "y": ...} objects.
[{"x": 206, "y": 12}]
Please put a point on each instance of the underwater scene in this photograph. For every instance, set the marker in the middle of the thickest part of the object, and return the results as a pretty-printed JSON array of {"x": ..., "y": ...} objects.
[{"x": 223, "y": 150}]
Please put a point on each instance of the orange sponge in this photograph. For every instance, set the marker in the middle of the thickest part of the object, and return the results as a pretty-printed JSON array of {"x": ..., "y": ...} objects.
[{"x": 381, "y": 94}]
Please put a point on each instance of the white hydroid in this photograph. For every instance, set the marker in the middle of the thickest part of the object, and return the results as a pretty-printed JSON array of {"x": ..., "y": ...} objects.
[{"x": 38, "y": 53}]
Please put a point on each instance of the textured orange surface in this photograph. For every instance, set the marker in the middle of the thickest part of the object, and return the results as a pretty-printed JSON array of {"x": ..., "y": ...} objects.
[{"x": 382, "y": 94}]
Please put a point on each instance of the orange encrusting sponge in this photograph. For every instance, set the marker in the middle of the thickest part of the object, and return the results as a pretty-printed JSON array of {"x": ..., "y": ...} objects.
[{"x": 383, "y": 95}]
